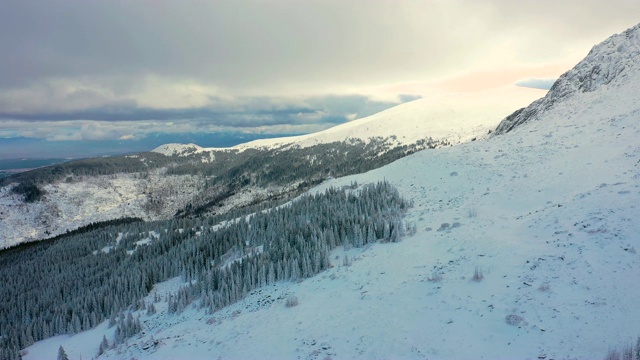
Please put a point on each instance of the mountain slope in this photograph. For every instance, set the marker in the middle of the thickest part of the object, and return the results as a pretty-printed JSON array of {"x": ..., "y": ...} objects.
[
  {"x": 609, "y": 65},
  {"x": 183, "y": 180},
  {"x": 547, "y": 214},
  {"x": 452, "y": 118}
]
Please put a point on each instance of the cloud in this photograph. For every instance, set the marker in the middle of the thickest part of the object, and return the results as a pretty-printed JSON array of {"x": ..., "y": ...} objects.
[
  {"x": 254, "y": 47},
  {"x": 124, "y": 120},
  {"x": 544, "y": 84}
]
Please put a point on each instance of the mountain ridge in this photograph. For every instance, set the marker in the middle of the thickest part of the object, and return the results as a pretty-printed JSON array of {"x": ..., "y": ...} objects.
[
  {"x": 451, "y": 118},
  {"x": 609, "y": 63}
]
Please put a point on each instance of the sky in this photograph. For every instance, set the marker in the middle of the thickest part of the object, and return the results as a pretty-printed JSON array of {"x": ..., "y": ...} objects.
[{"x": 90, "y": 77}]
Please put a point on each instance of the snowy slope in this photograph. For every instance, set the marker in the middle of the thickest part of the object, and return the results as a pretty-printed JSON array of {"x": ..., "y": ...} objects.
[
  {"x": 453, "y": 117},
  {"x": 547, "y": 213},
  {"x": 67, "y": 206}
]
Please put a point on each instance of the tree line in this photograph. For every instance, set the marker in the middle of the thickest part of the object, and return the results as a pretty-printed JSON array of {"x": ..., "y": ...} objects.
[{"x": 74, "y": 283}]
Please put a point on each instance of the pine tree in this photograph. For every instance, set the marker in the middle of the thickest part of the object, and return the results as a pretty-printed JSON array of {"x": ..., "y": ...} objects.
[
  {"x": 104, "y": 345},
  {"x": 62, "y": 355},
  {"x": 118, "y": 337},
  {"x": 151, "y": 309}
]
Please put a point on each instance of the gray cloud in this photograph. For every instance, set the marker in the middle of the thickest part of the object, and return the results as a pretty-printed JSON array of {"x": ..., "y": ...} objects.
[
  {"x": 125, "y": 119},
  {"x": 245, "y": 46},
  {"x": 544, "y": 84}
]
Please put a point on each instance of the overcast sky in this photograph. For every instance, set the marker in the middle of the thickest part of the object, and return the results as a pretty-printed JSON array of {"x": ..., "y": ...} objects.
[{"x": 86, "y": 70}]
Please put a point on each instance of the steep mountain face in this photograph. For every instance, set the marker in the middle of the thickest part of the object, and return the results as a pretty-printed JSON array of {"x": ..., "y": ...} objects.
[
  {"x": 177, "y": 180},
  {"x": 611, "y": 64}
]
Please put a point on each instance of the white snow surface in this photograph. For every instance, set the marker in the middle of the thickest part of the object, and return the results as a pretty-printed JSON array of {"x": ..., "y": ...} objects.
[
  {"x": 548, "y": 213},
  {"x": 175, "y": 149}
]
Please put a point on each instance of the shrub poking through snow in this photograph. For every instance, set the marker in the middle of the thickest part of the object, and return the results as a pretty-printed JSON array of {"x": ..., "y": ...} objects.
[
  {"x": 435, "y": 277},
  {"x": 292, "y": 301},
  {"x": 443, "y": 227},
  {"x": 613, "y": 354},
  {"x": 513, "y": 319},
  {"x": 477, "y": 275},
  {"x": 629, "y": 352},
  {"x": 346, "y": 261}
]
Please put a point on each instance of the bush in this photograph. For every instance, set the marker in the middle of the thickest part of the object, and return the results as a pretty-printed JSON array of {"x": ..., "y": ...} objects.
[
  {"x": 613, "y": 355},
  {"x": 629, "y": 352},
  {"x": 544, "y": 287},
  {"x": 435, "y": 277},
  {"x": 513, "y": 319},
  {"x": 346, "y": 261},
  {"x": 292, "y": 301},
  {"x": 477, "y": 275}
]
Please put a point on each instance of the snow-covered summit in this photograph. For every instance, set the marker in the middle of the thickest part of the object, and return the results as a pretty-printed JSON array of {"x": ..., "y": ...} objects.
[
  {"x": 451, "y": 118},
  {"x": 454, "y": 118},
  {"x": 175, "y": 149},
  {"x": 612, "y": 63}
]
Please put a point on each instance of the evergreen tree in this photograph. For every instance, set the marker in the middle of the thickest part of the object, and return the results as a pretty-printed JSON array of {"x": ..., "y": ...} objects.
[
  {"x": 104, "y": 345},
  {"x": 62, "y": 355}
]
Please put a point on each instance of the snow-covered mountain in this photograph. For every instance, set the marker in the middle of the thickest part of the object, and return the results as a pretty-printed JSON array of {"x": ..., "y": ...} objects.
[
  {"x": 451, "y": 118},
  {"x": 526, "y": 248},
  {"x": 188, "y": 178},
  {"x": 609, "y": 65}
]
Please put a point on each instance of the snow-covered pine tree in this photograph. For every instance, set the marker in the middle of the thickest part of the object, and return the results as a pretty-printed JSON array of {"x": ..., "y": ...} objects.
[
  {"x": 62, "y": 355},
  {"x": 104, "y": 345}
]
